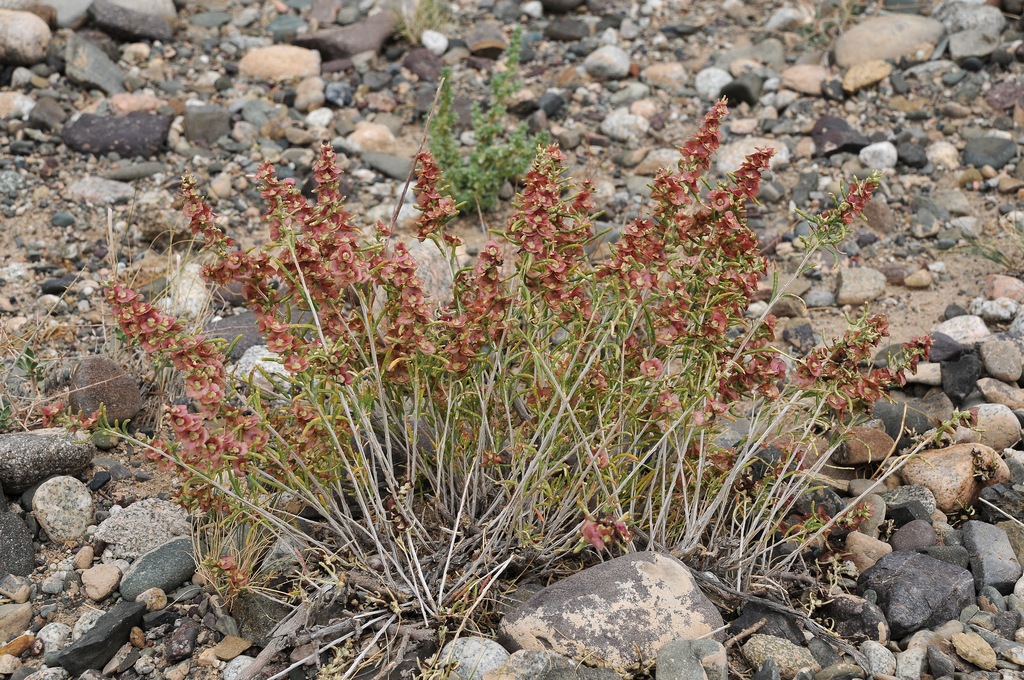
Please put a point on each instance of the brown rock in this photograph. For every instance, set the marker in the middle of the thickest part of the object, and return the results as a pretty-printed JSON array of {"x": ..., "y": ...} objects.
[
  {"x": 339, "y": 42},
  {"x": 866, "y": 74},
  {"x": 230, "y": 647},
  {"x": 1002, "y": 286},
  {"x": 998, "y": 392},
  {"x": 805, "y": 78},
  {"x": 864, "y": 445},
  {"x": 487, "y": 39},
  {"x": 973, "y": 648},
  {"x": 18, "y": 645},
  {"x": 99, "y": 381},
  {"x": 100, "y": 581},
  {"x": 954, "y": 474},
  {"x": 279, "y": 62},
  {"x": 865, "y": 550}
]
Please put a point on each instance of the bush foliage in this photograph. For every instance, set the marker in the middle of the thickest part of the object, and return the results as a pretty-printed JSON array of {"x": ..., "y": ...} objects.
[{"x": 555, "y": 407}]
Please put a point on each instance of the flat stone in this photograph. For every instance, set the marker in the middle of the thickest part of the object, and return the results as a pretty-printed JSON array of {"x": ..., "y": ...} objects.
[
  {"x": 100, "y": 191},
  {"x": 972, "y": 648},
  {"x": 866, "y": 74},
  {"x": 134, "y": 134},
  {"x": 88, "y": 65},
  {"x": 125, "y": 23},
  {"x": 14, "y": 620},
  {"x": 368, "y": 35},
  {"x": 98, "y": 381},
  {"x": 993, "y": 561},
  {"x": 734, "y": 154},
  {"x": 859, "y": 285},
  {"x": 473, "y": 657},
  {"x": 17, "y": 554},
  {"x": 894, "y": 36},
  {"x": 670, "y": 76},
  {"x": 96, "y": 647},
  {"x": 805, "y": 78},
  {"x": 653, "y": 591},
  {"x": 100, "y": 581}
]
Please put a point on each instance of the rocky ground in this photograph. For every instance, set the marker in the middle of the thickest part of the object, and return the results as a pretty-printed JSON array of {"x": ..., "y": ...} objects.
[{"x": 105, "y": 103}]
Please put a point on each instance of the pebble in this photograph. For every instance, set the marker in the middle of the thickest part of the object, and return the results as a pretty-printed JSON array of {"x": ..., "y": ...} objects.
[
  {"x": 100, "y": 191},
  {"x": 434, "y": 41},
  {"x": 608, "y": 62},
  {"x": 623, "y": 126},
  {"x": 473, "y": 657},
  {"x": 892, "y": 36},
  {"x": 805, "y": 78},
  {"x": 859, "y": 285},
  {"x": 710, "y": 81},
  {"x": 279, "y": 63},
  {"x": 879, "y": 156}
]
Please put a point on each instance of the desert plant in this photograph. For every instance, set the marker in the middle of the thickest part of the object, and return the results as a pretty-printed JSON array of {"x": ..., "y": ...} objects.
[
  {"x": 498, "y": 154},
  {"x": 416, "y": 16},
  {"x": 566, "y": 411}
]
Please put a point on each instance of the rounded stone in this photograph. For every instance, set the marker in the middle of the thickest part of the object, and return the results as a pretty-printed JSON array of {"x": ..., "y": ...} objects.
[
  {"x": 279, "y": 62},
  {"x": 98, "y": 381},
  {"x": 474, "y": 657},
  {"x": 879, "y": 156},
  {"x": 24, "y": 37},
  {"x": 710, "y": 81},
  {"x": 64, "y": 508},
  {"x": 609, "y": 62}
]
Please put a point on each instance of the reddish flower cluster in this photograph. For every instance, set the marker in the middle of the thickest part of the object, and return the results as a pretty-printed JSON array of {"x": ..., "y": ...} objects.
[
  {"x": 202, "y": 363},
  {"x": 834, "y": 370},
  {"x": 436, "y": 208},
  {"x": 605, "y": 531},
  {"x": 550, "y": 234},
  {"x": 484, "y": 304}
]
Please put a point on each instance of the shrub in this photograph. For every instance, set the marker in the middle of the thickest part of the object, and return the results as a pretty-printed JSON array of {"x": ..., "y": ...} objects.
[
  {"x": 566, "y": 409},
  {"x": 498, "y": 155}
]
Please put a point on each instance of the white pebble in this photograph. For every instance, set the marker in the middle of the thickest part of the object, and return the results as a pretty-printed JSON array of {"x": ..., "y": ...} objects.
[{"x": 436, "y": 42}]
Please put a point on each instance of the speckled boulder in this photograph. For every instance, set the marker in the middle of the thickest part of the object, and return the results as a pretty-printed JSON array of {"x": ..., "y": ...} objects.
[
  {"x": 956, "y": 474},
  {"x": 616, "y": 614},
  {"x": 30, "y": 457}
]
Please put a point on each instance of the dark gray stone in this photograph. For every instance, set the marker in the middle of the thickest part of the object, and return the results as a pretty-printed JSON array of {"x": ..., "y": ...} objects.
[
  {"x": 165, "y": 567},
  {"x": 182, "y": 640},
  {"x": 832, "y": 134},
  {"x": 135, "y": 134},
  {"x": 339, "y": 42},
  {"x": 895, "y": 415},
  {"x": 993, "y": 151},
  {"x": 17, "y": 555},
  {"x": 30, "y": 457},
  {"x": 856, "y": 618},
  {"x": 960, "y": 377},
  {"x": 101, "y": 642},
  {"x": 916, "y": 591},
  {"x": 206, "y": 124},
  {"x": 776, "y": 624},
  {"x": 993, "y": 561},
  {"x": 387, "y": 164},
  {"x": 913, "y": 535},
  {"x": 128, "y": 24},
  {"x": 47, "y": 114},
  {"x": 240, "y": 329},
  {"x": 257, "y": 616}
]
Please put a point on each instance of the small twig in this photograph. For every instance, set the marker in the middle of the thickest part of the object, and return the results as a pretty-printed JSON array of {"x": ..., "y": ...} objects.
[
  {"x": 745, "y": 632},
  {"x": 399, "y": 658}
]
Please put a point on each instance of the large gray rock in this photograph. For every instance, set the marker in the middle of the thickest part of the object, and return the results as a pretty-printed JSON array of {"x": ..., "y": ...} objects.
[
  {"x": 916, "y": 591},
  {"x": 30, "y": 457},
  {"x": 143, "y": 526},
  {"x": 615, "y": 614}
]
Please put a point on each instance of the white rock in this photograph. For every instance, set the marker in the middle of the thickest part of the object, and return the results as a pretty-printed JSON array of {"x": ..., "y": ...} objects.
[
  {"x": 967, "y": 329},
  {"x": 943, "y": 155},
  {"x": 434, "y": 41},
  {"x": 24, "y": 37},
  {"x": 879, "y": 156},
  {"x": 321, "y": 117},
  {"x": 710, "y": 81},
  {"x": 999, "y": 310},
  {"x": 533, "y": 9},
  {"x": 623, "y": 126},
  {"x": 15, "y": 105},
  {"x": 732, "y": 155},
  {"x": 609, "y": 62}
]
